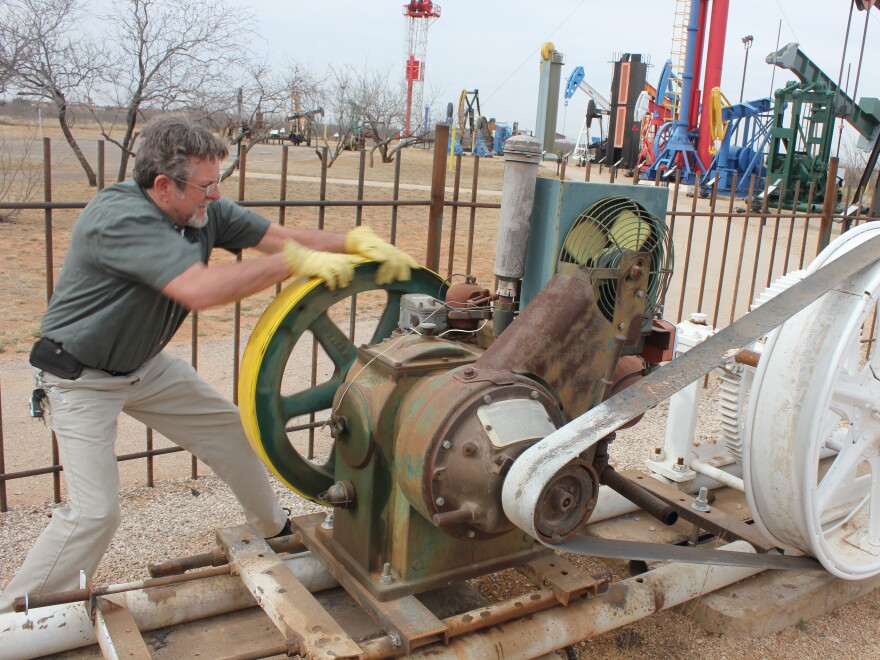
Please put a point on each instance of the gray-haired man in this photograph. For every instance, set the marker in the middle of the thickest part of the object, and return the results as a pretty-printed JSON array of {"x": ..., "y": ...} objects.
[{"x": 136, "y": 265}]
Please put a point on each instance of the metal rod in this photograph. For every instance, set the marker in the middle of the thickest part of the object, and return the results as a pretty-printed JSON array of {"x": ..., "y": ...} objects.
[
  {"x": 395, "y": 195},
  {"x": 638, "y": 495},
  {"x": 828, "y": 206},
  {"x": 101, "y": 164},
  {"x": 774, "y": 243},
  {"x": 438, "y": 194},
  {"x": 724, "y": 248},
  {"x": 217, "y": 557},
  {"x": 469, "y": 266},
  {"x": 707, "y": 249},
  {"x": 758, "y": 243},
  {"x": 687, "y": 255},
  {"x": 454, "y": 220},
  {"x": 742, "y": 245}
]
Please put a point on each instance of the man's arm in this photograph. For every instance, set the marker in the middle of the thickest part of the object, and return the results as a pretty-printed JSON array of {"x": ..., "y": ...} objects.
[
  {"x": 315, "y": 239},
  {"x": 201, "y": 286}
]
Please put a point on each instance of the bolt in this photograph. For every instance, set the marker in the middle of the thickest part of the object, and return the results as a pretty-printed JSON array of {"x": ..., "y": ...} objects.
[
  {"x": 487, "y": 399},
  {"x": 446, "y": 444},
  {"x": 651, "y": 528},
  {"x": 621, "y": 326},
  {"x": 533, "y": 395},
  {"x": 386, "y": 574},
  {"x": 398, "y": 365},
  {"x": 640, "y": 294},
  {"x": 636, "y": 271},
  {"x": 439, "y": 501},
  {"x": 679, "y": 465},
  {"x": 469, "y": 372},
  {"x": 469, "y": 449},
  {"x": 875, "y": 413},
  {"x": 702, "y": 501},
  {"x": 395, "y": 640},
  {"x": 328, "y": 520},
  {"x": 471, "y": 533}
]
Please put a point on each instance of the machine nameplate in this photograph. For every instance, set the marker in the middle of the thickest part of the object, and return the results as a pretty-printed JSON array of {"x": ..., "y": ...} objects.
[{"x": 515, "y": 420}]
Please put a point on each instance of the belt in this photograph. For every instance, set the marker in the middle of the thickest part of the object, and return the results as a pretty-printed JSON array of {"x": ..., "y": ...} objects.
[{"x": 114, "y": 373}]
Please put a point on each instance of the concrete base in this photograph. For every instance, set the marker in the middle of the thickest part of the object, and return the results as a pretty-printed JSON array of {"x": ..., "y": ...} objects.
[{"x": 774, "y": 600}]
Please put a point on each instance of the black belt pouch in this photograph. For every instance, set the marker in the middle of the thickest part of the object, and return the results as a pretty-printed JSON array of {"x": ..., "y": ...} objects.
[{"x": 49, "y": 356}]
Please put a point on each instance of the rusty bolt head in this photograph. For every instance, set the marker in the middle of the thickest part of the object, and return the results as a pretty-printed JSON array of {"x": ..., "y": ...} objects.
[
  {"x": 469, "y": 449},
  {"x": 469, "y": 372}
]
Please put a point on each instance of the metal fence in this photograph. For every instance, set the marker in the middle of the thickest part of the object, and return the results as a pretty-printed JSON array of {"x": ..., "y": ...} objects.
[{"x": 726, "y": 254}]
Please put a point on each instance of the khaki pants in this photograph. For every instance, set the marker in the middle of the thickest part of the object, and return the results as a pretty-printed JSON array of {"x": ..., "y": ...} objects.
[{"x": 166, "y": 394}]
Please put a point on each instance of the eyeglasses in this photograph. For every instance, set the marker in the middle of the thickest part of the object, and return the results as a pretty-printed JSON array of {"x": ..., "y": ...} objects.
[{"x": 208, "y": 190}]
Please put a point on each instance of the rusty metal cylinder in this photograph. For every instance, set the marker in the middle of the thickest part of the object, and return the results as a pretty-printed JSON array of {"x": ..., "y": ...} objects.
[{"x": 522, "y": 156}]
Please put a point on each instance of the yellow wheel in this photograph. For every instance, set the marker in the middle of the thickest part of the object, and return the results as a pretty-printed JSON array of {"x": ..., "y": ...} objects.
[{"x": 299, "y": 308}]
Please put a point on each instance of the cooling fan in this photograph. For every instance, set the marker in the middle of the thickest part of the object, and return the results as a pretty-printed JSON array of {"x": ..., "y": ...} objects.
[{"x": 603, "y": 233}]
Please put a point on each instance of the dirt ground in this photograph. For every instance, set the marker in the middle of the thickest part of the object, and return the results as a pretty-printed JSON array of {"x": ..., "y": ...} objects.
[{"x": 848, "y": 632}]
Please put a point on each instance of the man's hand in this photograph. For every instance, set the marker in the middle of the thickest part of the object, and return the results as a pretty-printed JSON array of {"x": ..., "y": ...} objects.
[
  {"x": 337, "y": 270},
  {"x": 394, "y": 264}
]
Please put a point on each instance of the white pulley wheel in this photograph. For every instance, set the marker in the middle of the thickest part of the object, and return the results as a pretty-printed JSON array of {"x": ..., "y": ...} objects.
[{"x": 811, "y": 464}]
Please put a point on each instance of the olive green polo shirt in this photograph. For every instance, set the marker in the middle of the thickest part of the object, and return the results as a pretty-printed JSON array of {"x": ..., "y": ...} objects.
[{"x": 107, "y": 309}]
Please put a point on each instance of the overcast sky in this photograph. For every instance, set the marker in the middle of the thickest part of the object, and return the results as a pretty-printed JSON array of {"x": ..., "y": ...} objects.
[{"x": 494, "y": 46}]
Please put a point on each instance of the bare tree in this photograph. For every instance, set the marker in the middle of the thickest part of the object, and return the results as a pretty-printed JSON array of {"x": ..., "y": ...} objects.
[
  {"x": 378, "y": 105},
  {"x": 14, "y": 45},
  {"x": 176, "y": 53},
  {"x": 56, "y": 61},
  {"x": 251, "y": 112},
  {"x": 19, "y": 173},
  {"x": 338, "y": 96}
]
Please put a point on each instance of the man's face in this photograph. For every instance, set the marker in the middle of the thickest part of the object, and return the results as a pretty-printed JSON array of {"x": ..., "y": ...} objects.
[{"x": 190, "y": 205}]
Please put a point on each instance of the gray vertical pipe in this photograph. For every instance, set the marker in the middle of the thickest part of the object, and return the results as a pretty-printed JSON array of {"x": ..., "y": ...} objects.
[{"x": 522, "y": 154}]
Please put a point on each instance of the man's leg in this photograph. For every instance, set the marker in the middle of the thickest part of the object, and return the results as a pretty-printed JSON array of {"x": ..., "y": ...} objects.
[
  {"x": 83, "y": 415},
  {"x": 174, "y": 400}
]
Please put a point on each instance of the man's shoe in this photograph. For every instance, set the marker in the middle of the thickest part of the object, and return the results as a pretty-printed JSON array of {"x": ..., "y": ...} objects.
[{"x": 286, "y": 530}]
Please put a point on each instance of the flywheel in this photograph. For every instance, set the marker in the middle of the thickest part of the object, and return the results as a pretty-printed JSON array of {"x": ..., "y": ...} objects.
[
  {"x": 811, "y": 463},
  {"x": 303, "y": 308}
]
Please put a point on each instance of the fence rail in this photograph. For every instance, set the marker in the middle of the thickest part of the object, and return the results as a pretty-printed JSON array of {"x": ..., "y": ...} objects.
[{"x": 726, "y": 254}]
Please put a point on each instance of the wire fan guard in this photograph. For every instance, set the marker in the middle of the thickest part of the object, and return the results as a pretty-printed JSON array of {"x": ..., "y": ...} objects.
[{"x": 607, "y": 229}]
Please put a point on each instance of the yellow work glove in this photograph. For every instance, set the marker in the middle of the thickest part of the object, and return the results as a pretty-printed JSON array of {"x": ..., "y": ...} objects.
[
  {"x": 394, "y": 264},
  {"x": 337, "y": 270}
]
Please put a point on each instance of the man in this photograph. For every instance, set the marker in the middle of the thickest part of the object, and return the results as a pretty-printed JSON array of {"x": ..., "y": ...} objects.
[{"x": 136, "y": 265}]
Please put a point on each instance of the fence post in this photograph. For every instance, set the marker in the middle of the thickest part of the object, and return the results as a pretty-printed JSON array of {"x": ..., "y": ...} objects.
[
  {"x": 828, "y": 207},
  {"x": 438, "y": 193}
]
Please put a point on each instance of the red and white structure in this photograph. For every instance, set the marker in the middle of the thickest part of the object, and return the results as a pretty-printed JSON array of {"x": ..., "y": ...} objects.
[{"x": 419, "y": 15}]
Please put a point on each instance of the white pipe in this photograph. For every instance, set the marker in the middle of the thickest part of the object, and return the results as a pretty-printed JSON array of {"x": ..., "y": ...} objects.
[
  {"x": 708, "y": 470},
  {"x": 58, "y": 628},
  {"x": 625, "y": 602}
]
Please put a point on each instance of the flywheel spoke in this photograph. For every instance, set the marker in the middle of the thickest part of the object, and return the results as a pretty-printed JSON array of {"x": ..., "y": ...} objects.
[
  {"x": 841, "y": 472},
  {"x": 308, "y": 401},
  {"x": 339, "y": 348}
]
